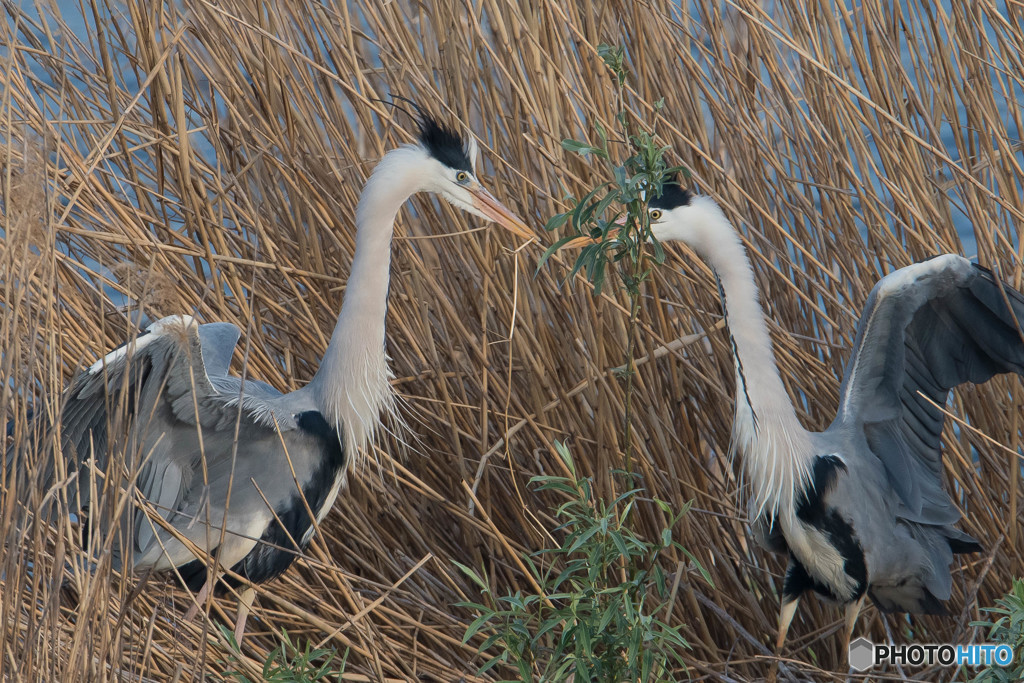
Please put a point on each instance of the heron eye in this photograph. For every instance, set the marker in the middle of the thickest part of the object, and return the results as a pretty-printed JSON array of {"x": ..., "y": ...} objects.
[
  {"x": 655, "y": 214},
  {"x": 461, "y": 177}
]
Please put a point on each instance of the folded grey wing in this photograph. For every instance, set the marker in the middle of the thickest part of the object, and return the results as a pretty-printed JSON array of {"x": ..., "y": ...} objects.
[{"x": 926, "y": 329}]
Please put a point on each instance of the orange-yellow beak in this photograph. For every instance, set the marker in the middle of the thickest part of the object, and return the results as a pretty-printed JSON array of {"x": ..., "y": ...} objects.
[
  {"x": 586, "y": 240},
  {"x": 485, "y": 203}
]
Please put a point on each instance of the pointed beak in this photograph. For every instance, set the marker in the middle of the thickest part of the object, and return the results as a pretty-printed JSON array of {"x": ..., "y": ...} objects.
[
  {"x": 485, "y": 203},
  {"x": 586, "y": 240}
]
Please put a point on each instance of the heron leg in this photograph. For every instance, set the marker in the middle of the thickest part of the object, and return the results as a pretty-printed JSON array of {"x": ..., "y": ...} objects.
[
  {"x": 200, "y": 598},
  {"x": 852, "y": 611},
  {"x": 797, "y": 581},
  {"x": 786, "y": 613},
  {"x": 244, "y": 605}
]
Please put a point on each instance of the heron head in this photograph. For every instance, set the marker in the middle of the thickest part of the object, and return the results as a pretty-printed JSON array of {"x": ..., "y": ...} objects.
[
  {"x": 677, "y": 215},
  {"x": 671, "y": 215},
  {"x": 452, "y": 175},
  {"x": 680, "y": 215}
]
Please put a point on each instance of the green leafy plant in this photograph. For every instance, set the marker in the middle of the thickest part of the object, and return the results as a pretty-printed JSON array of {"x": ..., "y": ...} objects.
[
  {"x": 596, "y": 616},
  {"x": 288, "y": 664},
  {"x": 1008, "y": 629},
  {"x": 614, "y": 213}
]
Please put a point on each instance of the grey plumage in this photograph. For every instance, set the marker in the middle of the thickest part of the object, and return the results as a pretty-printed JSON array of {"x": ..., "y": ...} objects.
[
  {"x": 218, "y": 341},
  {"x": 925, "y": 330},
  {"x": 180, "y": 441},
  {"x": 860, "y": 508},
  {"x": 217, "y": 465}
]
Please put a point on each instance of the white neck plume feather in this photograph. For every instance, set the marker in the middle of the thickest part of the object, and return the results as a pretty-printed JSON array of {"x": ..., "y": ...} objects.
[
  {"x": 775, "y": 448},
  {"x": 352, "y": 386}
]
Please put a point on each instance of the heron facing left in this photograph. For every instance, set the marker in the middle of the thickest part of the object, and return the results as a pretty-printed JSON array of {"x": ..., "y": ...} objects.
[
  {"x": 235, "y": 467},
  {"x": 860, "y": 509}
]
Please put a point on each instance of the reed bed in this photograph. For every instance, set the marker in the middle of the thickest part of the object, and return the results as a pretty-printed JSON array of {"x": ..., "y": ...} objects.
[{"x": 206, "y": 157}]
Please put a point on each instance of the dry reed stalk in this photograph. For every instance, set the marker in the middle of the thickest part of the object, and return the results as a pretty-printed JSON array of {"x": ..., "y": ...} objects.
[{"x": 220, "y": 147}]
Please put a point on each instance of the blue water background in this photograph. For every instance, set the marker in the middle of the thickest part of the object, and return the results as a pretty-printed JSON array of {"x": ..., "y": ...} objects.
[{"x": 83, "y": 26}]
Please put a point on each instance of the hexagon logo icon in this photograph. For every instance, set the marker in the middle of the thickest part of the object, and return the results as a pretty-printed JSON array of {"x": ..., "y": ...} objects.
[{"x": 862, "y": 654}]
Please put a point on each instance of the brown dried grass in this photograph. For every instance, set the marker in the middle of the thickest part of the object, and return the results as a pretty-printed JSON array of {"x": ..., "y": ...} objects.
[{"x": 106, "y": 193}]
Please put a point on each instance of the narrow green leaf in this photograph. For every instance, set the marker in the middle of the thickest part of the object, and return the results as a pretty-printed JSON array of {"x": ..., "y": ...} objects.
[
  {"x": 471, "y": 574},
  {"x": 566, "y": 456},
  {"x": 552, "y": 249},
  {"x": 700, "y": 568},
  {"x": 557, "y": 221},
  {"x": 582, "y": 148}
]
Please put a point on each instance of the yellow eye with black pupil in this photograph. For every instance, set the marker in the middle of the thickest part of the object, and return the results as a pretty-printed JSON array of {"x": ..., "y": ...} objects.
[
  {"x": 655, "y": 214},
  {"x": 462, "y": 176}
]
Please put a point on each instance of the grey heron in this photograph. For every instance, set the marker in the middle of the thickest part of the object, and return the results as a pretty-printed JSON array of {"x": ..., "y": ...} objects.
[
  {"x": 237, "y": 469},
  {"x": 860, "y": 508}
]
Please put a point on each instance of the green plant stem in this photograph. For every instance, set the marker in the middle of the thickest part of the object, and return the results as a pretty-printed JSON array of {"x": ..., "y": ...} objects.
[{"x": 634, "y": 312}]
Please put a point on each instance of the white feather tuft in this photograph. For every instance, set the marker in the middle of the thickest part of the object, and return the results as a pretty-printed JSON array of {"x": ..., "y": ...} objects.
[
  {"x": 173, "y": 323},
  {"x": 775, "y": 448}
]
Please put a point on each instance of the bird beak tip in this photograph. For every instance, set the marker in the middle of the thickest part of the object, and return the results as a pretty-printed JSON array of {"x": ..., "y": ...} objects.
[
  {"x": 485, "y": 203},
  {"x": 587, "y": 240}
]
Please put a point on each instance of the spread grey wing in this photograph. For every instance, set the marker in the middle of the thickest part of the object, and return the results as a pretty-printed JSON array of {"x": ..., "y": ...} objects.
[
  {"x": 925, "y": 329},
  {"x": 154, "y": 401}
]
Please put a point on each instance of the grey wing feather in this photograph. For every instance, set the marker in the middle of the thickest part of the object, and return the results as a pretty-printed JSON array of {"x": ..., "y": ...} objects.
[
  {"x": 177, "y": 424},
  {"x": 229, "y": 385},
  {"x": 218, "y": 342},
  {"x": 926, "y": 329}
]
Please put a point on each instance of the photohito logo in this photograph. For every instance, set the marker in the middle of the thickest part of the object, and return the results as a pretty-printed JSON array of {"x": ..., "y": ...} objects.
[{"x": 864, "y": 654}]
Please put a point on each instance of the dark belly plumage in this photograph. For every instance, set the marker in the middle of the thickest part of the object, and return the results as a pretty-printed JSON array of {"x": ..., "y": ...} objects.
[
  {"x": 281, "y": 543},
  {"x": 812, "y": 509}
]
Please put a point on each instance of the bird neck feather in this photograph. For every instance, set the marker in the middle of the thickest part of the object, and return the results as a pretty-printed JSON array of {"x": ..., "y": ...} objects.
[
  {"x": 353, "y": 386},
  {"x": 774, "y": 446}
]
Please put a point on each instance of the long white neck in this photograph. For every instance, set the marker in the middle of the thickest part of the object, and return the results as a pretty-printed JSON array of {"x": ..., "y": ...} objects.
[
  {"x": 775, "y": 448},
  {"x": 352, "y": 385}
]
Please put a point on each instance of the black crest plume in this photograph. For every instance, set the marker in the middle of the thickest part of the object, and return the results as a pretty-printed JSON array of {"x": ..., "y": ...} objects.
[
  {"x": 440, "y": 141},
  {"x": 673, "y": 195}
]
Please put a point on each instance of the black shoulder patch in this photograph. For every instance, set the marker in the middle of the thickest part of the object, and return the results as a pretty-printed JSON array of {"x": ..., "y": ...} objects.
[
  {"x": 282, "y": 541},
  {"x": 810, "y": 505},
  {"x": 672, "y": 196},
  {"x": 313, "y": 422},
  {"x": 811, "y": 509},
  {"x": 443, "y": 143}
]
